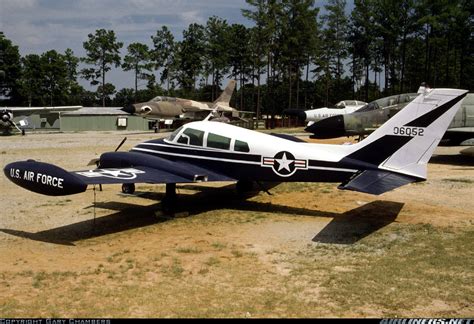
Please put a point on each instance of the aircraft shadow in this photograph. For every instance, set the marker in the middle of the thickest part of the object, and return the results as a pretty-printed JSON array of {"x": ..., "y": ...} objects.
[
  {"x": 456, "y": 159},
  {"x": 128, "y": 217},
  {"x": 355, "y": 224},
  {"x": 345, "y": 228}
]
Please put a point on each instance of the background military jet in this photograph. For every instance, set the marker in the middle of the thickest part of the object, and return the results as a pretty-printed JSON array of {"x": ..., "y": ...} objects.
[
  {"x": 170, "y": 108},
  {"x": 365, "y": 120},
  {"x": 313, "y": 115},
  {"x": 7, "y": 114}
]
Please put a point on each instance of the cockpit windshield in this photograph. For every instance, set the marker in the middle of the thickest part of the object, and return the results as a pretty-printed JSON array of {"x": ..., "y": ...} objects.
[
  {"x": 370, "y": 106},
  {"x": 388, "y": 102},
  {"x": 173, "y": 134},
  {"x": 163, "y": 98}
]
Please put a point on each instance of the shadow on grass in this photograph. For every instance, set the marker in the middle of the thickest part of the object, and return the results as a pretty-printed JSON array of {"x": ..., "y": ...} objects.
[
  {"x": 346, "y": 228},
  {"x": 355, "y": 224},
  {"x": 453, "y": 159}
]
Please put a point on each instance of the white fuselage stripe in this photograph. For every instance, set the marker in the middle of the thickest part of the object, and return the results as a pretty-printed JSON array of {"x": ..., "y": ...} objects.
[
  {"x": 195, "y": 156},
  {"x": 234, "y": 161},
  {"x": 332, "y": 169}
]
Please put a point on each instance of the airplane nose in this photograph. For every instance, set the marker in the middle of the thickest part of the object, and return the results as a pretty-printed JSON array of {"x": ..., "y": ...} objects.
[
  {"x": 295, "y": 112},
  {"x": 330, "y": 127},
  {"x": 130, "y": 109}
]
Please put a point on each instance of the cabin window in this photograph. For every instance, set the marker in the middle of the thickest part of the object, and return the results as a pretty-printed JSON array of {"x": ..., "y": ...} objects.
[
  {"x": 240, "y": 146},
  {"x": 217, "y": 141},
  {"x": 191, "y": 136}
]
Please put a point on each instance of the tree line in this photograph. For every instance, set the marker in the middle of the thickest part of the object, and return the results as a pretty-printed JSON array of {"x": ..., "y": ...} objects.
[{"x": 295, "y": 55}]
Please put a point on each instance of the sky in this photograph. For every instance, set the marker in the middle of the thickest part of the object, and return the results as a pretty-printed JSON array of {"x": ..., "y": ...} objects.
[{"x": 37, "y": 26}]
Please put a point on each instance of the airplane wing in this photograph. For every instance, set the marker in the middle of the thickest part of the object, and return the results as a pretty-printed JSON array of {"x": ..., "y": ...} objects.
[
  {"x": 30, "y": 110},
  {"x": 52, "y": 180}
]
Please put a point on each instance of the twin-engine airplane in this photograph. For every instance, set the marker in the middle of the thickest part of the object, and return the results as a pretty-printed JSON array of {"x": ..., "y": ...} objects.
[{"x": 395, "y": 154}]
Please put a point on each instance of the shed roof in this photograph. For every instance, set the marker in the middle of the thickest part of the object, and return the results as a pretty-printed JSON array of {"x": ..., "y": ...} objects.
[{"x": 96, "y": 111}]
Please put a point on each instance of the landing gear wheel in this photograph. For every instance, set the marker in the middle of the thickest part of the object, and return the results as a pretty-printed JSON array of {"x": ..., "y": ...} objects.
[{"x": 128, "y": 188}]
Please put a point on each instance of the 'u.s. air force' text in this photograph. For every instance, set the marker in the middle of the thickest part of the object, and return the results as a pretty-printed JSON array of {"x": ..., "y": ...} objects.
[{"x": 38, "y": 178}]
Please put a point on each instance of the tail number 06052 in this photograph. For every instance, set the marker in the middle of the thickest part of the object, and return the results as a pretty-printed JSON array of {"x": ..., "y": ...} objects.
[{"x": 409, "y": 131}]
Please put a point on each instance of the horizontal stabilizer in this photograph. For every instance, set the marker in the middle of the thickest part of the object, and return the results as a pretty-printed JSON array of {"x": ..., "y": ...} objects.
[{"x": 377, "y": 182}]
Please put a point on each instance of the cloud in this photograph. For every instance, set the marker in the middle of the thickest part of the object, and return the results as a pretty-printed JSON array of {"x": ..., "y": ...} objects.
[{"x": 37, "y": 26}]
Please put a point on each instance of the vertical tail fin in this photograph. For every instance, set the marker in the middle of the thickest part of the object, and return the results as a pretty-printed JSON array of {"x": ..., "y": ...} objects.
[
  {"x": 404, "y": 144},
  {"x": 225, "y": 96}
]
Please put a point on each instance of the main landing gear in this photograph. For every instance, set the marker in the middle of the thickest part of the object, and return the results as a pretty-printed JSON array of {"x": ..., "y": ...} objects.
[
  {"x": 128, "y": 188},
  {"x": 168, "y": 203}
]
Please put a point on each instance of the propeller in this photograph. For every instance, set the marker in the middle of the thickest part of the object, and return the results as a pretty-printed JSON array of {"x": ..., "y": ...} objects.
[
  {"x": 6, "y": 116},
  {"x": 97, "y": 160},
  {"x": 121, "y": 143},
  {"x": 15, "y": 125}
]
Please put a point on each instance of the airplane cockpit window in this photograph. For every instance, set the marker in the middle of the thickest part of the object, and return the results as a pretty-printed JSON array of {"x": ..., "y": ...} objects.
[
  {"x": 340, "y": 105},
  {"x": 240, "y": 146},
  {"x": 351, "y": 103},
  {"x": 191, "y": 136},
  {"x": 369, "y": 107},
  {"x": 218, "y": 141},
  {"x": 173, "y": 134},
  {"x": 388, "y": 101},
  {"x": 408, "y": 97},
  {"x": 163, "y": 98}
]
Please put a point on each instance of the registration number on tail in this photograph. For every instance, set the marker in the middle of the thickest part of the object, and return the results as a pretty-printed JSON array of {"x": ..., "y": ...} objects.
[{"x": 408, "y": 131}]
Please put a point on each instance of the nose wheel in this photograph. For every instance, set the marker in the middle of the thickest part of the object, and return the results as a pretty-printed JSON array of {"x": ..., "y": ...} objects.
[{"x": 128, "y": 188}]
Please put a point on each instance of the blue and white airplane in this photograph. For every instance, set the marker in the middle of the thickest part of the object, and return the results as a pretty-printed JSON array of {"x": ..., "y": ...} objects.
[{"x": 395, "y": 154}]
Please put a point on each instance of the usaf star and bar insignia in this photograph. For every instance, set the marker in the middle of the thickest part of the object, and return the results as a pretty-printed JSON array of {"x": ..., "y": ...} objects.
[{"x": 284, "y": 163}]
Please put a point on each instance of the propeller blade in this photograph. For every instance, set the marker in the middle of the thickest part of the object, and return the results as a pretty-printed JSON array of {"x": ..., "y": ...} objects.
[
  {"x": 121, "y": 143},
  {"x": 94, "y": 162},
  {"x": 14, "y": 125}
]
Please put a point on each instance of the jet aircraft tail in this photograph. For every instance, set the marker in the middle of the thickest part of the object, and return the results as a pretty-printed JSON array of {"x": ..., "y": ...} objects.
[
  {"x": 225, "y": 96},
  {"x": 397, "y": 153}
]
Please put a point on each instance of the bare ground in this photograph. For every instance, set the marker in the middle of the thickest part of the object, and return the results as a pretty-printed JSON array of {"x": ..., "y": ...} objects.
[{"x": 308, "y": 250}]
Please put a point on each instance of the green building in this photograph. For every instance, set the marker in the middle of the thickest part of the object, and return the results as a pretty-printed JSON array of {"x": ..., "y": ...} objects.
[{"x": 102, "y": 119}]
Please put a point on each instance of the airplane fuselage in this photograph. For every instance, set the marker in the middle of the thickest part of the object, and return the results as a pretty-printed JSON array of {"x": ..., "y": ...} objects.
[{"x": 246, "y": 155}]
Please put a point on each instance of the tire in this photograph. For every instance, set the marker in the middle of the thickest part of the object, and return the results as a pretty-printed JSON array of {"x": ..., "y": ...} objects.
[{"x": 128, "y": 188}]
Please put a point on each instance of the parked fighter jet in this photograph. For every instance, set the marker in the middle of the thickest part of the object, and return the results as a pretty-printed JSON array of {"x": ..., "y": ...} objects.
[
  {"x": 362, "y": 121},
  {"x": 395, "y": 154},
  {"x": 367, "y": 119},
  {"x": 170, "y": 108},
  {"x": 6, "y": 115},
  {"x": 313, "y": 115}
]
